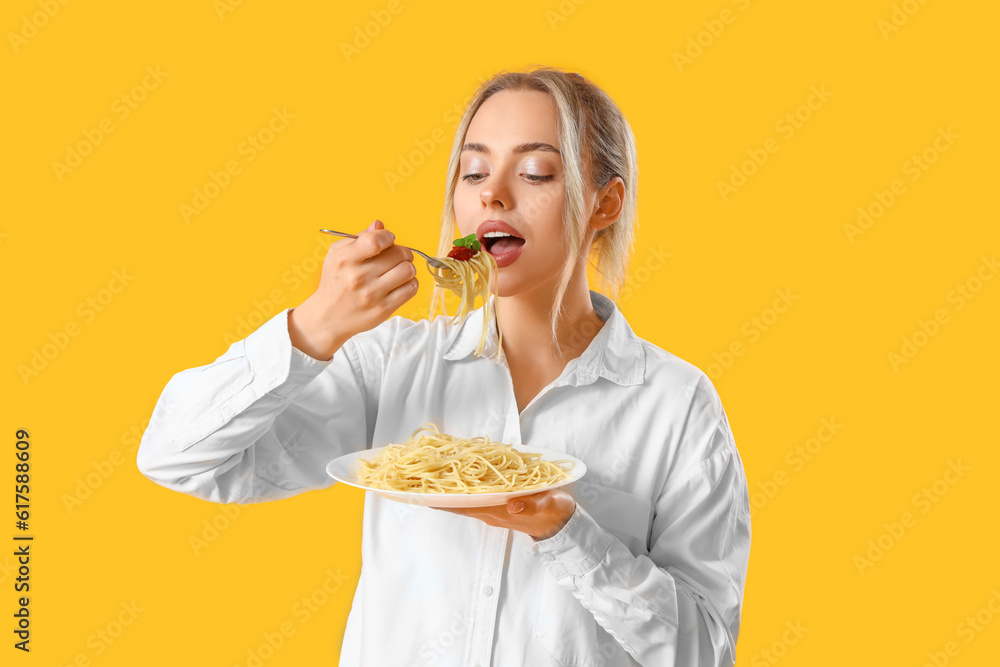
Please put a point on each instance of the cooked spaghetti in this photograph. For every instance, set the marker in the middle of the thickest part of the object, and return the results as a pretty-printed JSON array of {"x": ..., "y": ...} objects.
[
  {"x": 469, "y": 279},
  {"x": 441, "y": 463}
]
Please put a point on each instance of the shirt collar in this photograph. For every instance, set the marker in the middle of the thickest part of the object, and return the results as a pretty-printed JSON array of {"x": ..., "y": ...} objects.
[{"x": 615, "y": 353}]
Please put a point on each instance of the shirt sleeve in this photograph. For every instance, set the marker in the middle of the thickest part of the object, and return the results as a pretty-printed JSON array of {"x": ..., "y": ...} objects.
[
  {"x": 680, "y": 605},
  {"x": 262, "y": 421}
]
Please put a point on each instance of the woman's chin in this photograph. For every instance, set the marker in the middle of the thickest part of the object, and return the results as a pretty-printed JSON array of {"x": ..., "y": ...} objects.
[{"x": 512, "y": 285}]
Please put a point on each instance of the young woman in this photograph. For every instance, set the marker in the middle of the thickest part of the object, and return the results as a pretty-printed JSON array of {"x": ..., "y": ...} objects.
[{"x": 642, "y": 562}]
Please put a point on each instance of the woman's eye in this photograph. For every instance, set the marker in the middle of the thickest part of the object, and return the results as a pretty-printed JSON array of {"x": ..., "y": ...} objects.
[{"x": 531, "y": 177}]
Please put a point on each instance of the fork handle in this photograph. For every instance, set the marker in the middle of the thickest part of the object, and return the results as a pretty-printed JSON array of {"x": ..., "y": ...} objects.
[
  {"x": 432, "y": 260},
  {"x": 330, "y": 231}
]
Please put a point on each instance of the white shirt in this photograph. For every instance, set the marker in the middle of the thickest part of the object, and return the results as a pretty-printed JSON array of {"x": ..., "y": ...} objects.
[{"x": 649, "y": 570}]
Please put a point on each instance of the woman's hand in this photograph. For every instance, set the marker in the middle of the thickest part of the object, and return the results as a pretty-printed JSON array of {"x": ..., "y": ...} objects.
[
  {"x": 364, "y": 280},
  {"x": 541, "y": 515}
]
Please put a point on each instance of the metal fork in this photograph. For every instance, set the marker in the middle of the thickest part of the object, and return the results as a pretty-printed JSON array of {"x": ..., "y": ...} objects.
[{"x": 430, "y": 260}]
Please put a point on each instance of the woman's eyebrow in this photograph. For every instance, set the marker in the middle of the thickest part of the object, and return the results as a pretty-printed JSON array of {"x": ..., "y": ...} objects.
[{"x": 520, "y": 148}]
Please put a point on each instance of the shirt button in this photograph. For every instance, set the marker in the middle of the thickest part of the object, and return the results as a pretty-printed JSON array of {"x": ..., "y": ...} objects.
[{"x": 487, "y": 590}]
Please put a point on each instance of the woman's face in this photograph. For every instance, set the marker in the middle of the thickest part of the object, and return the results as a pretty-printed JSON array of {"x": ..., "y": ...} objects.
[{"x": 511, "y": 170}]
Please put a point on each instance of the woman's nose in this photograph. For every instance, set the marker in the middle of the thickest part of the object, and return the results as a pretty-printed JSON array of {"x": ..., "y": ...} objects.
[{"x": 495, "y": 192}]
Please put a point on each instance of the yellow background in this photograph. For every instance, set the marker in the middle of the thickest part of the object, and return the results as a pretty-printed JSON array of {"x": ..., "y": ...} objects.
[{"x": 191, "y": 285}]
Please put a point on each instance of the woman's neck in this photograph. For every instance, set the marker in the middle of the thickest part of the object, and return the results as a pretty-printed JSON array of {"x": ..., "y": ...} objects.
[{"x": 527, "y": 329}]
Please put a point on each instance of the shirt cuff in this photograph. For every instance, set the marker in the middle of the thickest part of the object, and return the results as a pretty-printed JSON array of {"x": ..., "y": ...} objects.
[
  {"x": 277, "y": 363},
  {"x": 578, "y": 547}
]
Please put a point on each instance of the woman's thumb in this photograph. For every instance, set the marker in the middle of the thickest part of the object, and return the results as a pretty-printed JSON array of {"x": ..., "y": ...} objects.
[{"x": 376, "y": 224}]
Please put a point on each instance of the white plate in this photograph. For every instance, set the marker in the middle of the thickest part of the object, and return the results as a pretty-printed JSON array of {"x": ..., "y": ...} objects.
[{"x": 345, "y": 469}]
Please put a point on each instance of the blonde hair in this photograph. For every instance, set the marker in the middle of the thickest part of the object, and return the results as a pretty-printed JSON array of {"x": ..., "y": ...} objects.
[{"x": 596, "y": 142}]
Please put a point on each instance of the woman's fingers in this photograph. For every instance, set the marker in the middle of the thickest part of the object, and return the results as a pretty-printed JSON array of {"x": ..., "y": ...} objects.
[{"x": 363, "y": 281}]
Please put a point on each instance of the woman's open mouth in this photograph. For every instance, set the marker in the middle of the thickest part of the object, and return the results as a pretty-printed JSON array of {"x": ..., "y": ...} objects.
[{"x": 505, "y": 249}]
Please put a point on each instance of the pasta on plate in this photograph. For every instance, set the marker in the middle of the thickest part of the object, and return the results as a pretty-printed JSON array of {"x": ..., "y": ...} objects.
[{"x": 436, "y": 462}]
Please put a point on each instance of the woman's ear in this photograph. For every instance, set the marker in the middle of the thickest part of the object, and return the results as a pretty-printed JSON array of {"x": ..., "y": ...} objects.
[{"x": 609, "y": 204}]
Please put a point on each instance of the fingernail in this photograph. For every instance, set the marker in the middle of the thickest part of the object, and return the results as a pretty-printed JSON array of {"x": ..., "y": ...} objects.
[{"x": 518, "y": 506}]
